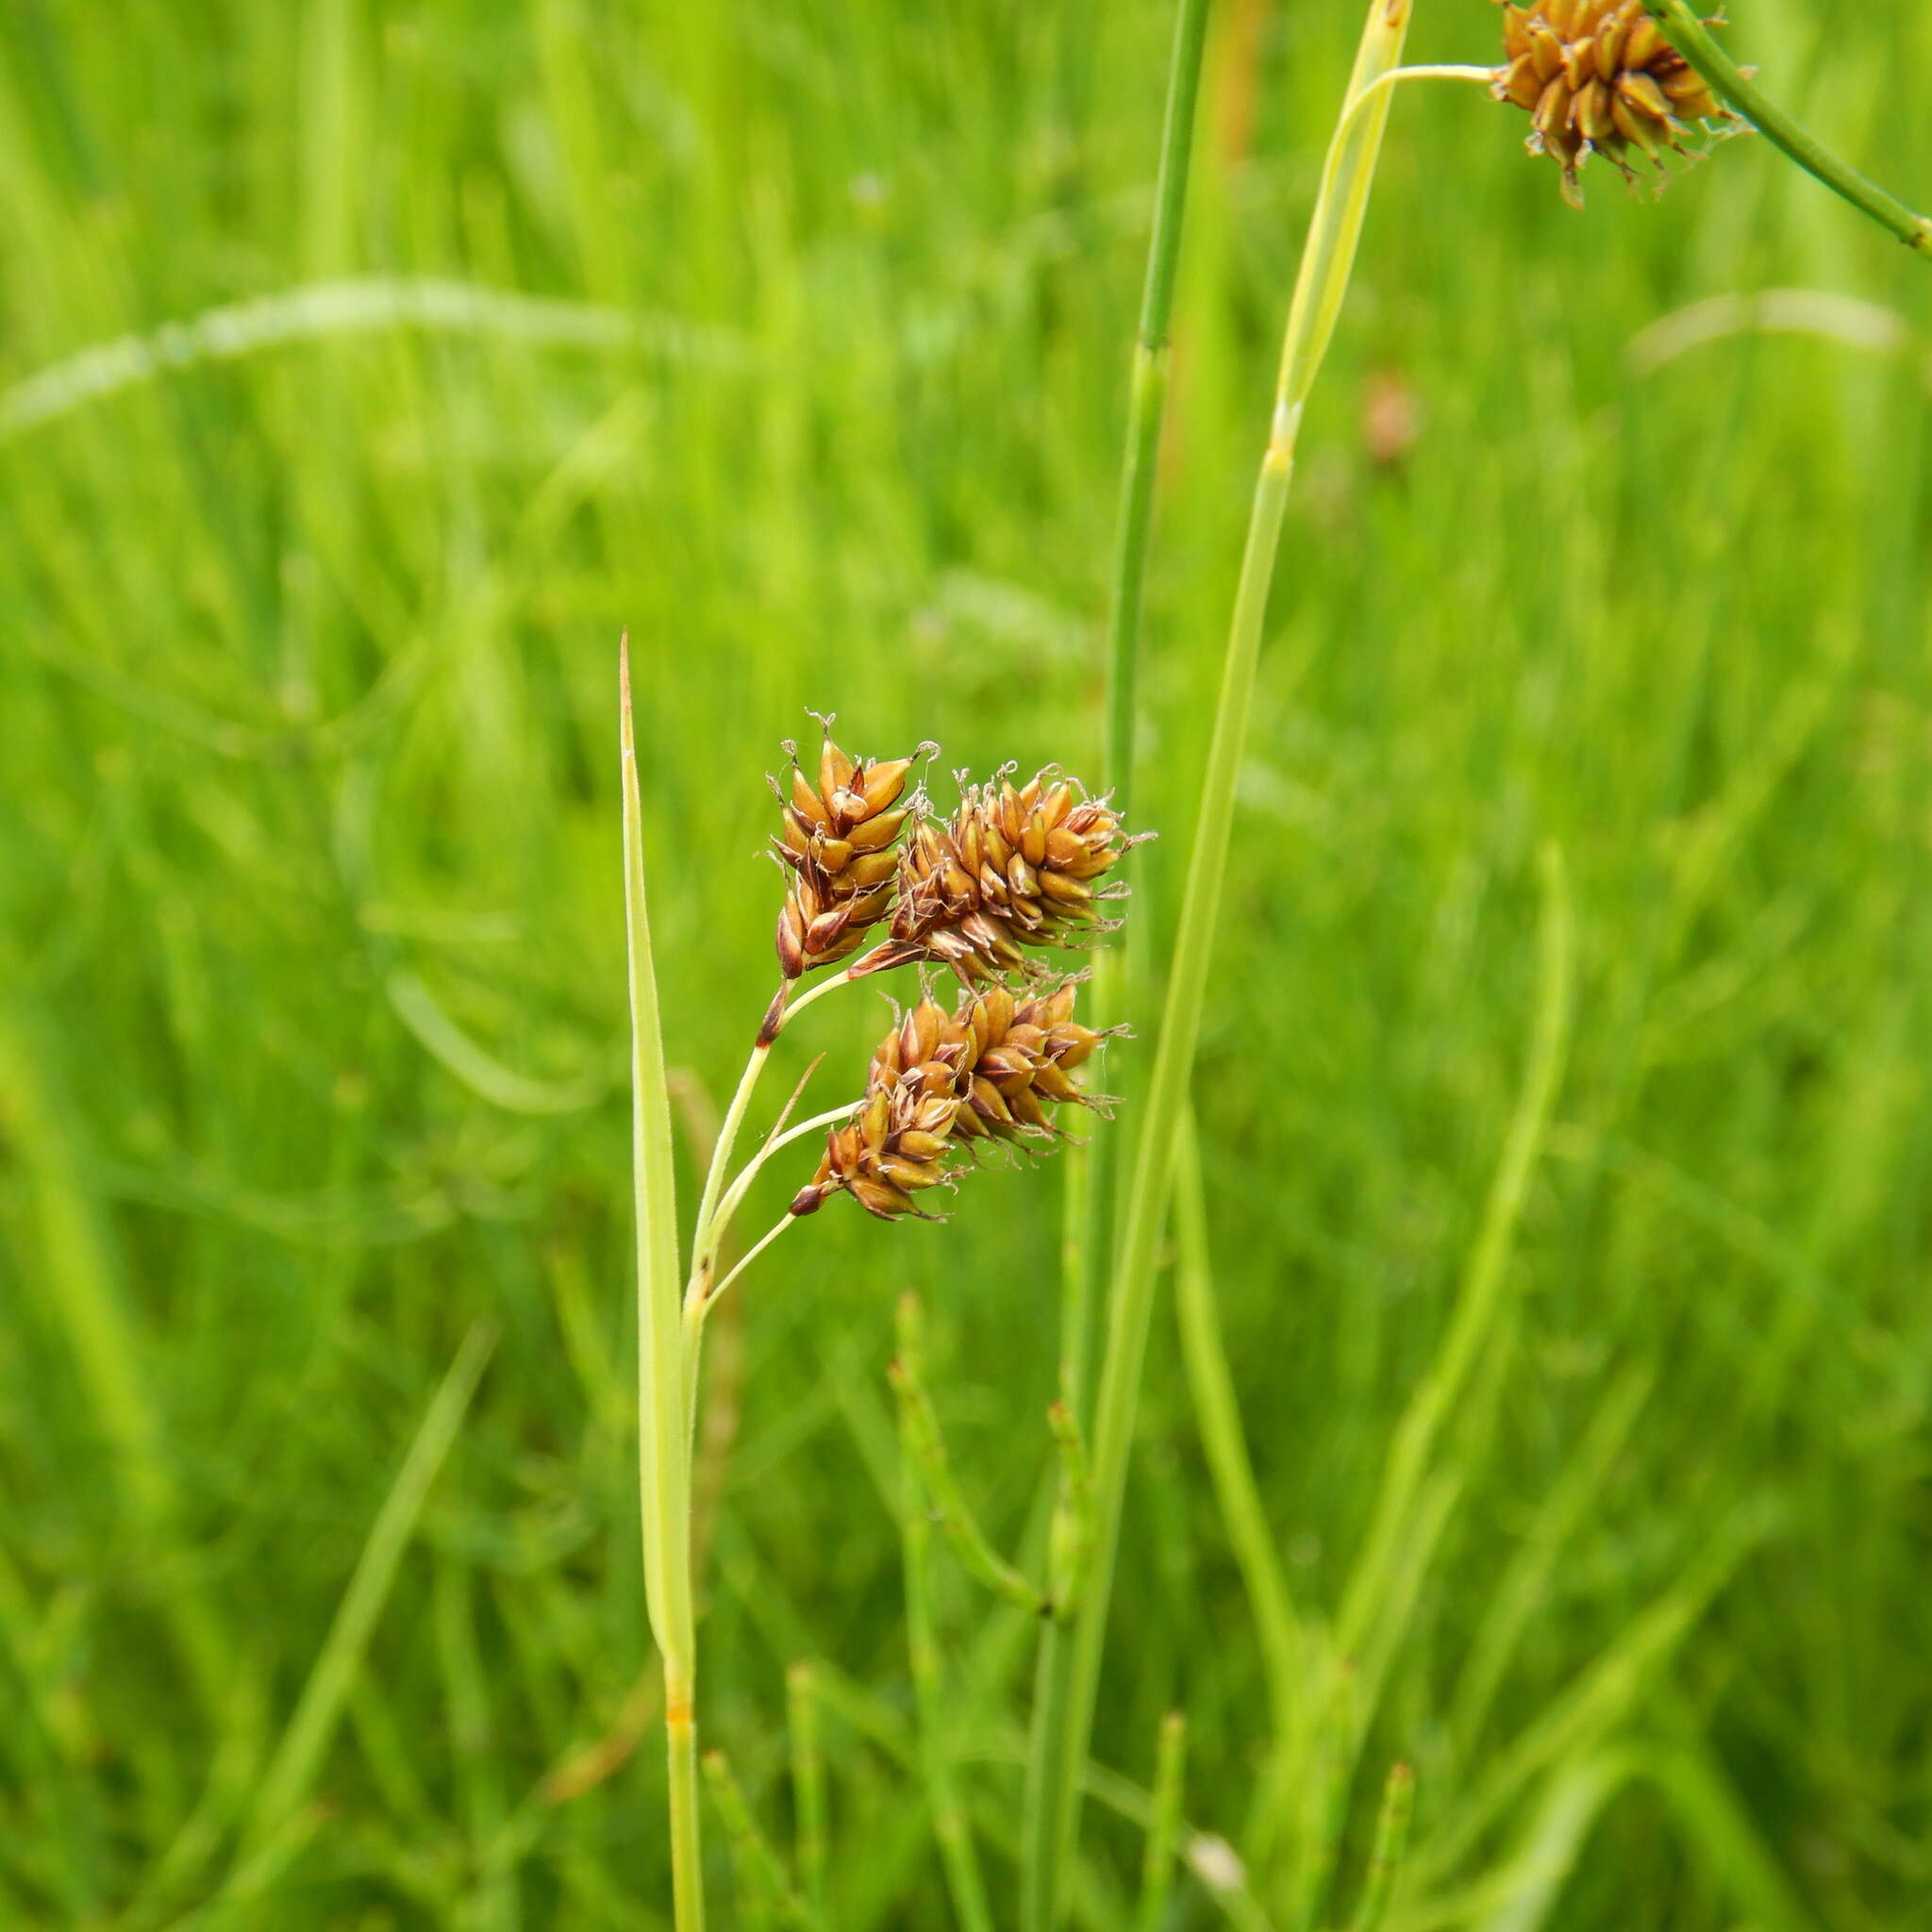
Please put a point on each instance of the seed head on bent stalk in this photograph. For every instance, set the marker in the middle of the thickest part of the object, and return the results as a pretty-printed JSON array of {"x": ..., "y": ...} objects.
[{"x": 991, "y": 1073}]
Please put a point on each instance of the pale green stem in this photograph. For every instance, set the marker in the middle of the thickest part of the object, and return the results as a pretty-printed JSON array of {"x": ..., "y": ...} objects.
[
  {"x": 1164, "y": 1824},
  {"x": 759, "y": 1868},
  {"x": 808, "y": 1788},
  {"x": 285, "y": 1785},
  {"x": 709, "y": 1225},
  {"x": 919, "y": 1429},
  {"x": 1693, "y": 39},
  {"x": 664, "y": 1437},
  {"x": 1147, "y": 400},
  {"x": 1391, "y": 1841},
  {"x": 700, "y": 1309},
  {"x": 1070, "y": 1531},
  {"x": 1325, "y": 1809},
  {"x": 1217, "y": 1415},
  {"x": 1091, "y": 1182},
  {"x": 1052, "y": 1785},
  {"x": 734, "y": 1195},
  {"x": 959, "y": 1856},
  {"x": 1436, "y": 1396},
  {"x": 1070, "y": 1673}
]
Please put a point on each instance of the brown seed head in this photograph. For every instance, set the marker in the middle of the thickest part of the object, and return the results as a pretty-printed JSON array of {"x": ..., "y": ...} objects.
[
  {"x": 1011, "y": 868},
  {"x": 1598, "y": 76},
  {"x": 940, "y": 1082},
  {"x": 839, "y": 840}
]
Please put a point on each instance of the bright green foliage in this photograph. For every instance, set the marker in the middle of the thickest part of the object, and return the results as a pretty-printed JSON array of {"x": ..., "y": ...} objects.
[{"x": 797, "y": 341}]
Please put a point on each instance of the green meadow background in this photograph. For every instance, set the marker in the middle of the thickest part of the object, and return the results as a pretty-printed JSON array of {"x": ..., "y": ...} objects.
[{"x": 364, "y": 369}]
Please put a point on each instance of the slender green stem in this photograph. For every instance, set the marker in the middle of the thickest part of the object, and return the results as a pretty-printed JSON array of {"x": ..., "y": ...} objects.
[
  {"x": 1391, "y": 1841},
  {"x": 1164, "y": 1825},
  {"x": 281, "y": 1789},
  {"x": 1069, "y": 1535},
  {"x": 1051, "y": 1788},
  {"x": 703, "y": 1235},
  {"x": 1065, "y": 1701},
  {"x": 1384, "y": 83},
  {"x": 759, "y": 1866},
  {"x": 807, "y": 1787},
  {"x": 919, "y": 1428},
  {"x": 1217, "y": 1415},
  {"x": 710, "y": 1226},
  {"x": 1693, "y": 39},
  {"x": 734, "y": 1195},
  {"x": 1147, "y": 400},
  {"x": 699, "y": 1310},
  {"x": 1134, "y": 1279},
  {"x": 1436, "y": 1396},
  {"x": 1094, "y": 1175},
  {"x": 957, "y": 1855},
  {"x": 663, "y": 1437},
  {"x": 1325, "y": 1808}
]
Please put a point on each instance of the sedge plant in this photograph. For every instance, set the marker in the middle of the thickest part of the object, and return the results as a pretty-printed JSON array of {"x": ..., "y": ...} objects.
[{"x": 1014, "y": 871}]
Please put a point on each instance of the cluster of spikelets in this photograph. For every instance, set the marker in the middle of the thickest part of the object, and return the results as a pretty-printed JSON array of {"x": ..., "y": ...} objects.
[
  {"x": 1014, "y": 867},
  {"x": 840, "y": 844},
  {"x": 942, "y": 1084},
  {"x": 1598, "y": 76},
  {"x": 1013, "y": 870}
]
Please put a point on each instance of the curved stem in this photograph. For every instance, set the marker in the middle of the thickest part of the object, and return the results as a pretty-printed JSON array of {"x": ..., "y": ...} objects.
[
  {"x": 744, "y": 1261},
  {"x": 1691, "y": 37},
  {"x": 735, "y": 1193},
  {"x": 1485, "y": 76},
  {"x": 787, "y": 1007}
]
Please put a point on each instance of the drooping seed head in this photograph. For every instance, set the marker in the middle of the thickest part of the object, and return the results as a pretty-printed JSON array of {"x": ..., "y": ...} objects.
[
  {"x": 1598, "y": 76},
  {"x": 940, "y": 1082}
]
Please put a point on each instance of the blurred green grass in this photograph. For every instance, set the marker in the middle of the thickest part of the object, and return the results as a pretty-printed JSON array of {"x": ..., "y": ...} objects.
[{"x": 311, "y": 939}]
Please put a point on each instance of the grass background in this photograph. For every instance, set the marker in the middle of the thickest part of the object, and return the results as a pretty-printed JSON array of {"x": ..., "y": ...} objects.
[{"x": 794, "y": 336}]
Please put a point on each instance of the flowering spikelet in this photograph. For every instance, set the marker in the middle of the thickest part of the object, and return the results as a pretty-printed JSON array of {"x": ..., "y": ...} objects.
[
  {"x": 1011, "y": 868},
  {"x": 1023, "y": 1052},
  {"x": 1599, "y": 76},
  {"x": 940, "y": 1082},
  {"x": 838, "y": 841}
]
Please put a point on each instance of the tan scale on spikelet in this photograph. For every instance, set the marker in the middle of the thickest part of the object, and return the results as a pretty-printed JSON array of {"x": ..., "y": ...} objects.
[
  {"x": 1014, "y": 867},
  {"x": 940, "y": 1082},
  {"x": 1598, "y": 76},
  {"x": 838, "y": 842}
]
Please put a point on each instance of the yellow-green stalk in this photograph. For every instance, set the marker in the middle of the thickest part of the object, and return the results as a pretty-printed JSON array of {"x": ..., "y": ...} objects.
[
  {"x": 1064, "y": 1710},
  {"x": 1093, "y": 1170},
  {"x": 663, "y": 1433}
]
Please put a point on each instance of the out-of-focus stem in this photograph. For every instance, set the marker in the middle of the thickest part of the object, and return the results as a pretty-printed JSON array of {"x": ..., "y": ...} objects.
[
  {"x": 808, "y": 1788},
  {"x": 1163, "y": 1827},
  {"x": 958, "y": 1853}
]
